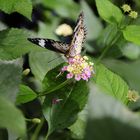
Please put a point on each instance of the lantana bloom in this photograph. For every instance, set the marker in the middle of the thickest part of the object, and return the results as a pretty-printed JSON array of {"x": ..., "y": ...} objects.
[
  {"x": 133, "y": 14},
  {"x": 79, "y": 68},
  {"x": 133, "y": 95},
  {"x": 126, "y": 8}
]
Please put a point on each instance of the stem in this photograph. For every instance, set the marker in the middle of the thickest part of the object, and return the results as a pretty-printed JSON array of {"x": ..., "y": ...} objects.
[
  {"x": 55, "y": 88},
  {"x": 103, "y": 54},
  {"x": 37, "y": 130},
  {"x": 114, "y": 40},
  {"x": 46, "y": 138},
  {"x": 29, "y": 120}
]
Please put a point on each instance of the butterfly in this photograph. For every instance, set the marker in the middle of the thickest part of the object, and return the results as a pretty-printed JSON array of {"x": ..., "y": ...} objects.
[{"x": 69, "y": 50}]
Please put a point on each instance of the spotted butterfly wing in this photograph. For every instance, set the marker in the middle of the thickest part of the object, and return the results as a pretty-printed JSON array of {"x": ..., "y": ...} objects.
[
  {"x": 79, "y": 36},
  {"x": 50, "y": 44},
  {"x": 70, "y": 50}
]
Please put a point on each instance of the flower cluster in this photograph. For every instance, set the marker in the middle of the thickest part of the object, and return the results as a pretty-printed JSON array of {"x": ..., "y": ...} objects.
[
  {"x": 126, "y": 8},
  {"x": 79, "y": 68},
  {"x": 133, "y": 95},
  {"x": 132, "y": 14}
]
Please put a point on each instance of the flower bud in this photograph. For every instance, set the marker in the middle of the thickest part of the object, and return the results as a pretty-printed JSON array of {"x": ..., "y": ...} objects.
[
  {"x": 26, "y": 72},
  {"x": 36, "y": 120}
]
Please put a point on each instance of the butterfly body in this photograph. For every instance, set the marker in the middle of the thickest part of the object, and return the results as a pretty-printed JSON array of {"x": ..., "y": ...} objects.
[{"x": 69, "y": 50}]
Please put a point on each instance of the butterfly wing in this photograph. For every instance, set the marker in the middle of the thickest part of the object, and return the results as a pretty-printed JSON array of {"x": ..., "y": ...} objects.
[
  {"x": 50, "y": 44},
  {"x": 79, "y": 36}
]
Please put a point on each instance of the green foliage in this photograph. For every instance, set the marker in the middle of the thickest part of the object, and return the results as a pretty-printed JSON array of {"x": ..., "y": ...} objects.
[
  {"x": 13, "y": 44},
  {"x": 111, "y": 83},
  {"x": 54, "y": 79},
  {"x": 108, "y": 35},
  {"x": 64, "y": 113},
  {"x": 63, "y": 9},
  {"x": 23, "y": 7},
  {"x": 132, "y": 33},
  {"x": 110, "y": 117},
  {"x": 78, "y": 128},
  {"x": 43, "y": 61},
  {"x": 11, "y": 118},
  {"x": 25, "y": 94},
  {"x": 109, "y": 12},
  {"x": 10, "y": 79},
  {"x": 128, "y": 70}
]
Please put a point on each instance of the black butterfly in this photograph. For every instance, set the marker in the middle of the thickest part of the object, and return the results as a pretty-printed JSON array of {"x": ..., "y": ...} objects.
[{"x": 70, "y": 50}]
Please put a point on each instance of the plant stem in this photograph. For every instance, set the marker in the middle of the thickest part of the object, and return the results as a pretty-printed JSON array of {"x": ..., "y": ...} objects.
[
  {"x": 46, "y": 138},
  {"x": 55, "y": 88},
  {"x": 37, "y": 130},
  {"x": 103, "y": 54},
  {"x": 29, "y": 120}
]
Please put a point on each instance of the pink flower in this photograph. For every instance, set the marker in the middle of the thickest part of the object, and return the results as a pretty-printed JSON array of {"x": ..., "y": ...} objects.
[
  {"x": 71, "y": 60},
  {"x": 84, "y": 76},
  {"x": 69, "y": 75},
  {"x": 77, "y": 77},
  {"x": 79, "y": 67},
  {"x": 64, "y": 68},
  {"x": 87, "y": 72}
]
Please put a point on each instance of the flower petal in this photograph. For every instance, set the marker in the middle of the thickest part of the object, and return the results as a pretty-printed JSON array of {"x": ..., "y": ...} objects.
[{"x": 69, "y": 75}]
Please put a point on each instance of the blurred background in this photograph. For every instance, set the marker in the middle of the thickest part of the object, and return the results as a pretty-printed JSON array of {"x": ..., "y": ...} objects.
[{"x": 47, "y": 16}]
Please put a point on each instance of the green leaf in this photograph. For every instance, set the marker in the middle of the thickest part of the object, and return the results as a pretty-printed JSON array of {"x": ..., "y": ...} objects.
[
  {"x": 78, "y": 128},
  {"x": 54, "y": 80},
  {"x": 110, "y": 120},
  {"x": 25, "y": 94},
  {"x": 111, "y": 83},
  {"x": 43, "y": 61},
  {"x": 13, "y": 44},
  {"x": 128, "y": 70},
  {"x": 64, "y": 113},
  {"x": 93, "y": 32},
  {"x": 107, "y": 36},
  {"x": 23, "y": 7},
  {"x": 108, "y": 11},
  {"x": 11, "y": 118},
  {"x": 132, "y": 33},
  {"x": 10, "y": 78},
  {"x": 63, "y": 9}
]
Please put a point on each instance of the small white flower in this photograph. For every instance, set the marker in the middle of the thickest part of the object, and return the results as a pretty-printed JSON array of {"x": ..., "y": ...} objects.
[{"x": 64, "y": 30}]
